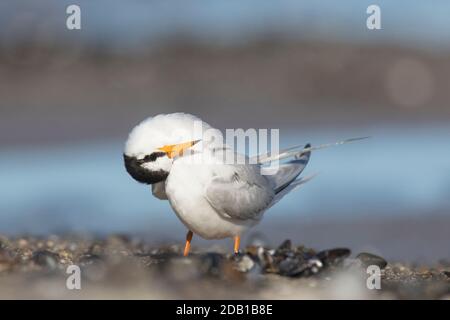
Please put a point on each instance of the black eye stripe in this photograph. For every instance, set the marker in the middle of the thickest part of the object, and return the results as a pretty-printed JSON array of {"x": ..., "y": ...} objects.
[{"x": 153, "y": 156}]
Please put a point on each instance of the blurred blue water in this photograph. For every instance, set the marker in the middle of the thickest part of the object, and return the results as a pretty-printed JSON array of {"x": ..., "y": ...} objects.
[
  {"x": 84, "y": 187},
  {"x": 137, "y": 23}
]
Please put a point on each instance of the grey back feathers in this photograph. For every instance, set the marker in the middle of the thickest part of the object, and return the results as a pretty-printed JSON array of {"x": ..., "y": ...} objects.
[
  {"x": 243, "y": 195},
  {"x": 246, "y": 194}
]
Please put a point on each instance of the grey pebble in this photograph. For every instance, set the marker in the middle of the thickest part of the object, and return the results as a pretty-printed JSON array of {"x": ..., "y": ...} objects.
[
  {"x": 368, "y": 259},
  {"x": 244, "y": 264}
]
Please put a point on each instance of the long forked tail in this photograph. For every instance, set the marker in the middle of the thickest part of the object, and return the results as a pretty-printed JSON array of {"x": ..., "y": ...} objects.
[
  {"x": 284, "y": 180},
  {"x": 295, "y": 152}
]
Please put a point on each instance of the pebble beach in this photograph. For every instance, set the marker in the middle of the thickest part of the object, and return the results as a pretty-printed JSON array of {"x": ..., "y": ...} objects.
[{"x": 125, "y": 267}]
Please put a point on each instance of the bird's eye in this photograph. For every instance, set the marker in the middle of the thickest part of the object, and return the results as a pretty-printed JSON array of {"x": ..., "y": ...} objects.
[{"x": 153, "y": 156}]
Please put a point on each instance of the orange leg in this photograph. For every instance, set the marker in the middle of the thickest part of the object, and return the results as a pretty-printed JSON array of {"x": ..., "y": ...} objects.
[
  {"x": 188, "y": 243},
  {"x": 237, "y": 242}
]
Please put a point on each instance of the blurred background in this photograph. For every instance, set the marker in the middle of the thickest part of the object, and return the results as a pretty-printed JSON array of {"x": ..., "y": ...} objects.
[{"x": 68, "y": 99}]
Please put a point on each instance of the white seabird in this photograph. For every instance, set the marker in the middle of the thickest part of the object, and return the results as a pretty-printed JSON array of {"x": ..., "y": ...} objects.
[{"x": 213, "y": 198}]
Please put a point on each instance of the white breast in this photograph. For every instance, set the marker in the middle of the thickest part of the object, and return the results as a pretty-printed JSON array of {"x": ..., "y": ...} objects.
[{"x": 185, "y": 189}]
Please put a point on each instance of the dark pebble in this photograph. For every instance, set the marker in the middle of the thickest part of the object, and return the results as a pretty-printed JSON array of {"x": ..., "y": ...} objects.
[
  {"x": 314, "y": 266},
  {"x": 286, "y": 245},
  {"x": 368, "y": 259},
  {"x": 291, "y": 267},
  {"x": 333, "y": 257},
  {"x": 46, "y": 259},
  {"x": 294, "y": 267}
]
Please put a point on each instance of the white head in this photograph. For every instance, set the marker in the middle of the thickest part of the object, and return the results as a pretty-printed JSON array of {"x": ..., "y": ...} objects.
[{"x": 153, "y": 144}]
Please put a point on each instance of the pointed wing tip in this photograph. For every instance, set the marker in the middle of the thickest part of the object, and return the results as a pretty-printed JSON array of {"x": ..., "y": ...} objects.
[
  {"x": 358, "y": 139},
  {"x": 305, "y": 152},
  {"x": 312, "y": 175}
]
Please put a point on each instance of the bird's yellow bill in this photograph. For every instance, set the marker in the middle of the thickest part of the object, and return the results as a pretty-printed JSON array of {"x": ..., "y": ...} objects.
[{"x": 174, "y": 150}]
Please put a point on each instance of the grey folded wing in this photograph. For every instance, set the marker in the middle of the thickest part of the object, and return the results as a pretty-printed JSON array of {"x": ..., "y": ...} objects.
[
  {"x": 244, "y": 194},
  {"x": 288, "y": 172}
]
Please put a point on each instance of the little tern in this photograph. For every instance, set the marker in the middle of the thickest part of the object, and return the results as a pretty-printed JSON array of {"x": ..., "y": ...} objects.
[{"x": 213, "y": 198}]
